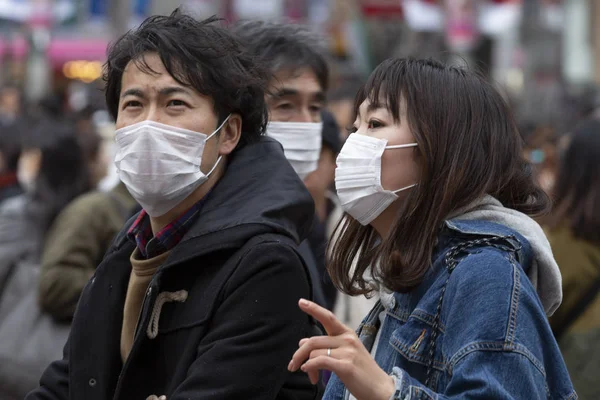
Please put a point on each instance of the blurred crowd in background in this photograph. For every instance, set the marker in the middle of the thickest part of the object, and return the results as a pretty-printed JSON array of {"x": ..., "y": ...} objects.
[{"x": 57, "y": 138}]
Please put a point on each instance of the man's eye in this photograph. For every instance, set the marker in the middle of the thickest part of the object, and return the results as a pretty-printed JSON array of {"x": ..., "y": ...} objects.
[
  {"x": 132, "y": 103},
  {"x": 177, "y": 103},
  {"x": 285, "y": 106},
  {"x": 316, "y": 109}
]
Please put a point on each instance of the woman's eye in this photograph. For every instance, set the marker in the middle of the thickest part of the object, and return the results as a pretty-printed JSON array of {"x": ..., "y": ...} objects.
[{"x": 374, "y": 124}]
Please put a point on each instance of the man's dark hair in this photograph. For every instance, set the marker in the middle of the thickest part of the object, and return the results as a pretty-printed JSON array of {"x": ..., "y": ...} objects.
[
  {"x": 11, "y": 144},
  {"x": 285, "y": 46},
  {"x": 198, "y": 54}
]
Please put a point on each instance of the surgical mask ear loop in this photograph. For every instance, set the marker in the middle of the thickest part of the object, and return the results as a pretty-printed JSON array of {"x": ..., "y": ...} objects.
[
  {"x": 211, "y": 135},
  {"x": 214, "y": 166},
  {"x": 404, "y": 188},
  {"x": 219, "y": 128},
  {"x": 401, "y": 146}
]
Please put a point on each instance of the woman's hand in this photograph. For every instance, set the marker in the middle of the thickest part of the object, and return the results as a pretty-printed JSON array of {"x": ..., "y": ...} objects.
[{"x": 342, "y": 353}]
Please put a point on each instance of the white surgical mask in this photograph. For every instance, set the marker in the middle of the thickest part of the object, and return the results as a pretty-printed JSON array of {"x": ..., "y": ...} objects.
[
  {"x": 301, "y": 143},
  {"x": 160, "y": 164},
  {"x": 358, "y": 177}
]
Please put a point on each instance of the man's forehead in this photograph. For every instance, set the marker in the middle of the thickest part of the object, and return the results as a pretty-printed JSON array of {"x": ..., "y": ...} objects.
[
  {"x": 298, "y": 78},
  {"x": 148, "y": 74}
]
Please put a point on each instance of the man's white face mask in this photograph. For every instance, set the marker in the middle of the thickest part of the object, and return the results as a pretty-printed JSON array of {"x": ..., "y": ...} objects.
[
  {"x": 301, "y": 143},
  {"x": 160, "y": 164}
]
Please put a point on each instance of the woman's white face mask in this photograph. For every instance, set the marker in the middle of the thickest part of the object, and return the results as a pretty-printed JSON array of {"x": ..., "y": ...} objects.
[{"x": 358, "y": 177}]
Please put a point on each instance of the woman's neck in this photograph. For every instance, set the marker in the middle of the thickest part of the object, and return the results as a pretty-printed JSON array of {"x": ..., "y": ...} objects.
[{"x": 383, "y": 223}]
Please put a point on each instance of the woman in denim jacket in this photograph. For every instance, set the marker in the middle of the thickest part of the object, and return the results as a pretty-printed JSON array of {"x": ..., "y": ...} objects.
[{"x": 437, "y": 196}]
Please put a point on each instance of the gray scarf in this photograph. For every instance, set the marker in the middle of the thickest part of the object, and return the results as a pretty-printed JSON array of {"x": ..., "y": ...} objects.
[{"x": 544, "y": 273}]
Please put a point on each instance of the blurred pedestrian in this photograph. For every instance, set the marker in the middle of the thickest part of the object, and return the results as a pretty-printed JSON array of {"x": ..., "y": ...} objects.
[
  {"x": 10, "y": 152},
  {"x": 437, "y": 196},
  {"x": 97, "y": 162},
  {"x": 574, "y": 233},
  {"x": 11, "y": 104},
  {"x": 62, "y": 176},
  {"x": 80, "y": 236},
  {"x": 27, "y": 343},
  {"x": 541, "y": 151},
  {"x": 196, "y": 298},
  {"x": 82, "y": 232},
  {"x": 296, "y": 98}
]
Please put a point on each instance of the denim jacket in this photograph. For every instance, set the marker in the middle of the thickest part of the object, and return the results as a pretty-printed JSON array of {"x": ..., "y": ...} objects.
[{"x": 475, "y": 328}]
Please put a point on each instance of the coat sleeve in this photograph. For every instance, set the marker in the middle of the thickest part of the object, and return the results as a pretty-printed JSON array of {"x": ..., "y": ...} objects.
[
  {"x": 254, "y": 331},
  {"x": 76, "y": 243},
  {"x": 54, "y": 383}
]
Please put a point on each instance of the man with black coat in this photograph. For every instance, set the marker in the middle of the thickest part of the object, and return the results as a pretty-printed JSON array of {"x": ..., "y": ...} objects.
[
  {"x": 197, "y": 297},
  {"x": 295, "y": 99}
]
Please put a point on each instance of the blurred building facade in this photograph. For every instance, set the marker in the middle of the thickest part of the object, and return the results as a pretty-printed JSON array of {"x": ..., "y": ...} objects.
[{"x": 538, "y": 51}]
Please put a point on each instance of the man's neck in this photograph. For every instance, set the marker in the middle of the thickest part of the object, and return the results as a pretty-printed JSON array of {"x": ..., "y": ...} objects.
[
  {"x": 321, "y": 206},
  {"x": 158, "y": 223}
]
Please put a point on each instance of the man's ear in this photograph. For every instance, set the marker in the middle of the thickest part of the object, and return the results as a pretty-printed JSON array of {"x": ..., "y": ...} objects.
[{"x": 230, "y": 134}]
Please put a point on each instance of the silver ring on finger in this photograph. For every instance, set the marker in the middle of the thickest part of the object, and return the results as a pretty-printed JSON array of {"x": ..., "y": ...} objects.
[{"x": 329, "y": 352}]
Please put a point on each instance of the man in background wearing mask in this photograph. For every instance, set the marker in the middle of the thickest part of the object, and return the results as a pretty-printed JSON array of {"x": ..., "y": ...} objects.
[
  {"x": 295, "y": 98},
  {"x": 197, "y": 297}
]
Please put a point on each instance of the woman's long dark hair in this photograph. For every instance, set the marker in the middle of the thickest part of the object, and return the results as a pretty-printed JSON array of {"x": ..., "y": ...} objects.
[
  {"x": 577, "y": 189},
  {"x": 468, "y": 146},
  {"x": 63, "y": 173}
]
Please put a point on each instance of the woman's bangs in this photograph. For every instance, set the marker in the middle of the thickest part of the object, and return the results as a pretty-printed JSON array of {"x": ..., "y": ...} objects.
[{"x": 382, "y": 89}]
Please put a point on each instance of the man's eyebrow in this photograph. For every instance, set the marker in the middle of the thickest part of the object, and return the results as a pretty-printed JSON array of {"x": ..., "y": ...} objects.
[
  {"x": 320, "y": 96},
  {"x": 285, "y": 92},
  {"x": 133, "y": 92},
  {"x": 167, "y": 91}
]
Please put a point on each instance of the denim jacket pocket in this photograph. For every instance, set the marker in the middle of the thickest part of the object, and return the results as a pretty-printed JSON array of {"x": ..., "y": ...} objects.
[{"x": 412, "y": 341}]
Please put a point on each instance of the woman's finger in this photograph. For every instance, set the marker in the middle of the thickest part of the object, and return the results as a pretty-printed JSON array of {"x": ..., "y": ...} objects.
[
  {"x": 314, "y": 365},
  {"x": 313, "y": 376},
  {"x": 314, "y": 343},
  {"x": 331, "y": 324}
]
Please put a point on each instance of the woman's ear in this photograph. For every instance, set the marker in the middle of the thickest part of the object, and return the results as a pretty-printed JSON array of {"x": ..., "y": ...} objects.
[{"x": 230, "y": 134}]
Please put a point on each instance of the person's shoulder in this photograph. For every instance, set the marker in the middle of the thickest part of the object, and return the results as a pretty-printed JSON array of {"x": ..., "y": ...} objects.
[
  {"x": 14, "y": 205},
  {"x": 95, "y": 205},
  {"x": 91, "y": 201},
  {"x": 485, "y": 273},
  {"x": 273, "y": 252}
]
